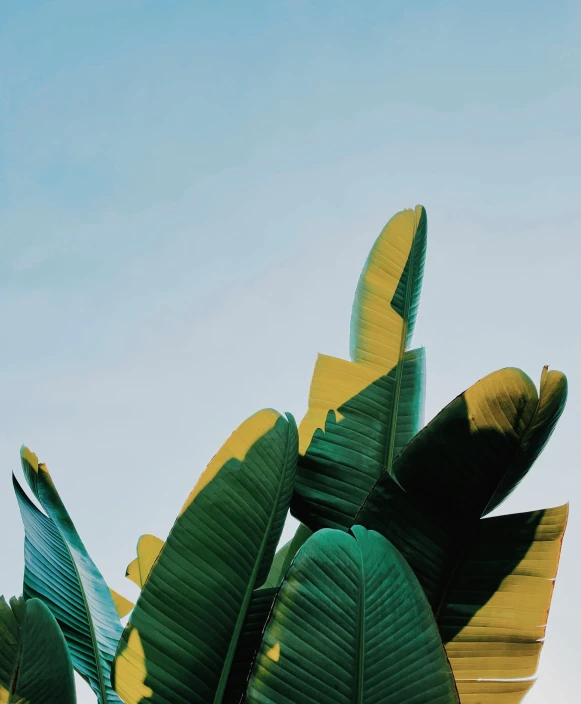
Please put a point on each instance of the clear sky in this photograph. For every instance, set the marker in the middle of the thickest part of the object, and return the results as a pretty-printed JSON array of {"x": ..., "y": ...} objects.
[{"x": 188, "y": 192}]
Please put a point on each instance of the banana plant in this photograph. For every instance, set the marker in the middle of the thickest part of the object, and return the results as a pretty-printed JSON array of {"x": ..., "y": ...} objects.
[
  {"x": 59, "y": 571},
  {"x": 35, "y": 665},
  {"x": 207, "y": 627},
  {"x": 397, "y": 587}
]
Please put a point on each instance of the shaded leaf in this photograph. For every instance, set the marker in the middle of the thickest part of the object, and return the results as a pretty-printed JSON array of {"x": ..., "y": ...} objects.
[
  {"x": 499, "y": 638},
  {"x": 443, "y": 481},
  {"x": 35, "y": 666},
  {"x": 285, "y": 556}
]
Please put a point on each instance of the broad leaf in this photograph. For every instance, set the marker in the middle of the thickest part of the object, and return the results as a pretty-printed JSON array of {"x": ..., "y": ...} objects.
[
  {"x": 447, "y": 475},
  {"x": 183, "y": 634},
  {"x": 59, "y": 571},
  {"x": 552, "y": 400},
  {"x": 148, "y": 550},
  {"x": 494, "y": 616},
  {"x": 35, "y": 666},
  {"x": 444, "y": 481},
  {"x": 351, "y": 624},
  {"x": 362, "y": 413}
]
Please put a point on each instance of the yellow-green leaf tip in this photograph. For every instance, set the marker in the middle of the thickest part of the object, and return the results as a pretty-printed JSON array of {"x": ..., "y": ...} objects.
[{"x": 29, "y": 457}]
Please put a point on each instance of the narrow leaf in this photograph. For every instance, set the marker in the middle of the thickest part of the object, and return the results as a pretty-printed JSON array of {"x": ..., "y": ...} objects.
[{"x": 59, "y": 571}]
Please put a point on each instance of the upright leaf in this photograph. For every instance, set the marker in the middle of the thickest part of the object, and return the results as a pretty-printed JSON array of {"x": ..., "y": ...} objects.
[
  {"x": 362, "y": 413},
  {"x": 184, "y": 632},
  {"x": 35, "y": 666},
  {"x": 59, "y": 571},
  {"x": 351, "y": 624}
]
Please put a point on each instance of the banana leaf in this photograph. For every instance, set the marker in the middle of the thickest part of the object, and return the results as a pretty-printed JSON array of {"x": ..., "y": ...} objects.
[
  {"x": 471, "y": 455},
  {"x": 35, "y": 665},
  {"x": 183, "y": 637},
  {"x": 148, "y": 550},
  {"x": 362, "y": 413},
  {"x": 351, "y": 624},
  {"x": 59, "y": 571},
  {"x": 494, "y": 616}
]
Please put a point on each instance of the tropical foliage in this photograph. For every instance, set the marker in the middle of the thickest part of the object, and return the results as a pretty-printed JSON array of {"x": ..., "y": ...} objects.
[{"x": 396, "y": 589}]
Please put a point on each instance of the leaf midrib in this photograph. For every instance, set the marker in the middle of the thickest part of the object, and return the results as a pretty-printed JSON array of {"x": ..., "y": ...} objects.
[
  {"x": 358, "y": 698},
  {"x": 388, "y": 458},
  {"x": 227, "y": 666},
  {"x": 99, "y": 668}
]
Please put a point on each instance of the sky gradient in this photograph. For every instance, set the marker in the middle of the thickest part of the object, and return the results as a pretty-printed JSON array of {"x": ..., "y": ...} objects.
[{"x": 188, "y": 192}]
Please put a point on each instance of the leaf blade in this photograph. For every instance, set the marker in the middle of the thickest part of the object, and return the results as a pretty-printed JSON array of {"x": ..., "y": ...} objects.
[
  {"x": 41, "y": 668},
  {"x": 346, "y": 435},
  {"x": 183, "y": 632},
  {"x": 333, "y": 635},
  {"x": 60, "y": 572}
]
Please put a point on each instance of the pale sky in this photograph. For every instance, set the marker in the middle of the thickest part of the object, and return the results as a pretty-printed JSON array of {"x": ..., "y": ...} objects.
[{"x": 188, "y": 192}]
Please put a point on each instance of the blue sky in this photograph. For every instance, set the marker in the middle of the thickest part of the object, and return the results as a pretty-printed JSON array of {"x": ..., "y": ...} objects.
[{"x": 188, "y": 191}]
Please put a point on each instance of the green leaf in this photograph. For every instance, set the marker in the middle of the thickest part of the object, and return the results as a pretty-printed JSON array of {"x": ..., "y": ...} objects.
[
  {"x": 445, "y": 479},
  {"x": 494, "y": 615},
  {"x": 285, "y": 556},
  {"x": 355, "y": 405},
  {"x": 363, "y": 413},
  {"x": 388, "y": 293},
  {"x": 35, "y": 666},
  {"x": 59, "y": 571},
  {"x": 249, "y": 642},
  {"x": 351, "y": 624},
  {"x": 183, "y": 634}
]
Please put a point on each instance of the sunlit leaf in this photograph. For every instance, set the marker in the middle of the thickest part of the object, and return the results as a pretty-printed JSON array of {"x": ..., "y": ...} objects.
[
  {"x": 183, "y": 634},
  {"x": 362, "y": 413}
]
